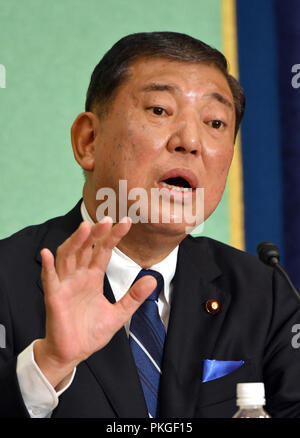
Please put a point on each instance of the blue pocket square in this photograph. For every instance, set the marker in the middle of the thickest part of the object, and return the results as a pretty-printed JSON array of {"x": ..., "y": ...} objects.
[{"x": 214, "y": 369}]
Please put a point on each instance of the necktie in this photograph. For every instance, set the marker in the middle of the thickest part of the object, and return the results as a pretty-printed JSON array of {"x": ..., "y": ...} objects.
[{"x": 147, "y": 336}]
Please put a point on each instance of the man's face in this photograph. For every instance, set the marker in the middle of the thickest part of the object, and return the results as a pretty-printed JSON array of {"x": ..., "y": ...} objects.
[{"x": 170, "y": 124}]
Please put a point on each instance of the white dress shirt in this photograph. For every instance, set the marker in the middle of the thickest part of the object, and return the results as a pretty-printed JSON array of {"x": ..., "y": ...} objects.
[{"x": 39, "y": 396}]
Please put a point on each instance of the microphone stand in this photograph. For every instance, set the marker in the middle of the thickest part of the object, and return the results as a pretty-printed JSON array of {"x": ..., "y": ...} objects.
[
  {"x": 269, "y": 254},
  {"x": 280, "y": 269}
]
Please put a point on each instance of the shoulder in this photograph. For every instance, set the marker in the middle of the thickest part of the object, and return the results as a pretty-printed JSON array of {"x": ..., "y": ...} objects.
[
  {"x": 28, "y": 236},
  {"x": 221, "y": 251},
  {"x": 230, "y": 261},
  {"x": 17, "y": 249},
  {"x": 26, "y": 243}
]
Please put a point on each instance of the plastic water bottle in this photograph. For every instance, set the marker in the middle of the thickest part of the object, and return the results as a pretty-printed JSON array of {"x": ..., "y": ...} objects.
[{"x": 250, "y": 400}]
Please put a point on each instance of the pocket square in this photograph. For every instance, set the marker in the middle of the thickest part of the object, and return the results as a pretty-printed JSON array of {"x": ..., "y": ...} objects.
[{"x": 214, "y": 369}]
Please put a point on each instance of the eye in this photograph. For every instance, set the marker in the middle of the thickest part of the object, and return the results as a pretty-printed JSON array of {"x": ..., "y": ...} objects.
[
  {"x": 157, "y": 110},
  {"x": 216, "y": 124}
]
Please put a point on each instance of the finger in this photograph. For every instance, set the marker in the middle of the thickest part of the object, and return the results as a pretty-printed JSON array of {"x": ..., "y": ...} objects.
[
  {"x": 104, "y": 245},
  {"x": 136, "y": 295},
  {"x": 116, "y": 233},
  {"x": 66, "y": 253},
  {"x": 84, "y": 254},
  {"x": 49, "y": 276}
]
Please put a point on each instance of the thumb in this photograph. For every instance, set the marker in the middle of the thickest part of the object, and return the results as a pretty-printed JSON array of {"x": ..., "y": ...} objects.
[
  {"x": 49, "y": 276},
  {"x": 136, "y": 295}
]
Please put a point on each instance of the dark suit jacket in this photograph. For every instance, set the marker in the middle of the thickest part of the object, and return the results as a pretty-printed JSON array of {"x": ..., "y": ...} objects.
[{"x": 257, "y": 312}]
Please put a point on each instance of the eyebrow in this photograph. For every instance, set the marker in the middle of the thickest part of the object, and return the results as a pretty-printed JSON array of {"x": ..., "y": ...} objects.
[
  {"x": 220, "y": 99},
  {"x": 154, "y": 86}
]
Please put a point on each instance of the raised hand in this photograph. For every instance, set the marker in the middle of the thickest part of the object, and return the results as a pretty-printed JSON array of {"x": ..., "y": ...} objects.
[{"x": 79, "y": 319}]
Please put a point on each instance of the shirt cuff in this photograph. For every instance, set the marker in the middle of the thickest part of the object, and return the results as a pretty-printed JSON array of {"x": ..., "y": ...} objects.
[{"x": 39, "y": 396}]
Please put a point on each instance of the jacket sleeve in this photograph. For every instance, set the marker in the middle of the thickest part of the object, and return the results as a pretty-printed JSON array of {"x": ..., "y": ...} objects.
[
  {"x": 11, "y": 401},
  {"x": 281, "y": 370}
]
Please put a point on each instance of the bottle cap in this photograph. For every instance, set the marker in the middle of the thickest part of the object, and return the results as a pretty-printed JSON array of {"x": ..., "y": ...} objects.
[{"x": 249, "y": 394}]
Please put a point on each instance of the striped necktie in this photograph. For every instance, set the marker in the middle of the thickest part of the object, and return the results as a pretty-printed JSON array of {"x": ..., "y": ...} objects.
[{"x": 147, "y": 336}]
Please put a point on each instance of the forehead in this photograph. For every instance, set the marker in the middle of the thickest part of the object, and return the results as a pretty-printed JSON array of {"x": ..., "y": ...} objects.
[{"x": 184, "y": 77}]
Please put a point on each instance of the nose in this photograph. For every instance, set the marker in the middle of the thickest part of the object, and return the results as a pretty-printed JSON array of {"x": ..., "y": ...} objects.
[{"x": 186, "y": 136}]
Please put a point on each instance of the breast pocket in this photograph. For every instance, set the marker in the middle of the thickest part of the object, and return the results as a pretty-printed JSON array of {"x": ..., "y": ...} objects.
[{"x": 217, "y": 398}]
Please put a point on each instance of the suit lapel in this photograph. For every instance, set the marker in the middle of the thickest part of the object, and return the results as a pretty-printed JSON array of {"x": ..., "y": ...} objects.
[
  {"x": 115, "y": 370},
  {"x": 192, "y": 331},
  {"x": 113, "y": 366}
]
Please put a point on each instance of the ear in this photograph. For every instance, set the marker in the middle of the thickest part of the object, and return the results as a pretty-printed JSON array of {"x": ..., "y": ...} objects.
[{"x": 83, "y": 134}]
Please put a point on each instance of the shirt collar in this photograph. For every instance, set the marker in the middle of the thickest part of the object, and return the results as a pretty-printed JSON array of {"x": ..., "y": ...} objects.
[{"x": 122, "y": 270}]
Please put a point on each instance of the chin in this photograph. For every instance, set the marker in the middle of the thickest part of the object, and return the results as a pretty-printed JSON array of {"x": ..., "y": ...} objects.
[{"x": 179, "y": 230}]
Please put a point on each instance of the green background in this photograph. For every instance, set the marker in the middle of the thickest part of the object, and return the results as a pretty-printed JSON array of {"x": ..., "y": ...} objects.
[{"x": 49, "y": 49}]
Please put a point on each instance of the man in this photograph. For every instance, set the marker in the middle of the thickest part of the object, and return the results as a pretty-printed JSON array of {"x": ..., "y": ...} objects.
[{"x": 162, "y": 113}]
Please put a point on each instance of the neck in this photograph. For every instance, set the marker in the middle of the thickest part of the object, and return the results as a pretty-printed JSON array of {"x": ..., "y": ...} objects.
[
  {"x": 144, "y": 244},
  {"x": 147, "y": 248}
]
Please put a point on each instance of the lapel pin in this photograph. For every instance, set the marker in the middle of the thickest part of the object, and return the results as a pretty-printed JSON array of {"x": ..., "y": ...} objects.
[{"x": 212, "y": 306}]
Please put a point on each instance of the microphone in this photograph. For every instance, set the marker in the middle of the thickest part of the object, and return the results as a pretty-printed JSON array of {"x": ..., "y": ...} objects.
[{"x": 268, "y": 253}]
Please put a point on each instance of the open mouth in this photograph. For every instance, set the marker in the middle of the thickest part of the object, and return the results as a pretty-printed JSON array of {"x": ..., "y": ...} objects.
[
  {"x": 178, "y": 183},
  {"x": 179, "y": 179}
]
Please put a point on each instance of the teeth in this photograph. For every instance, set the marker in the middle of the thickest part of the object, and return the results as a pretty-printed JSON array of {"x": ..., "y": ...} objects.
[{"x": 179, "y": 189}]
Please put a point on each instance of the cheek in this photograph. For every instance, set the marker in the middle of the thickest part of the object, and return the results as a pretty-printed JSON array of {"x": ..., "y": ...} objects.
[
  {"x": 217, "y": 168},
  {"x": 140, "y": 145},
  {"x": 128, "y": 160},
  {"x": 218, "y": 160}
]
